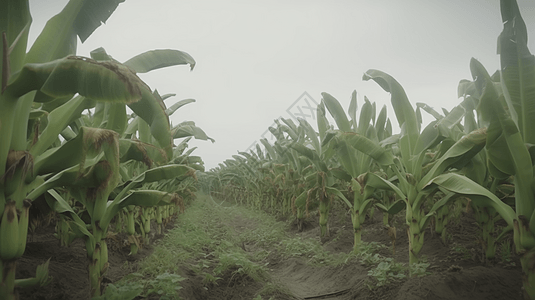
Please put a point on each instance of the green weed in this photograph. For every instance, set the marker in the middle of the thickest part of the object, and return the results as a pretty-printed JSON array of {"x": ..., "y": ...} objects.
[
  {"x": 419, "y": 269},
  {"x": 506, "y": 253},
  {"x": 166, "y": 285},
  {"x": 126, "y": 291},
  {"x": 387, "y": 271}
]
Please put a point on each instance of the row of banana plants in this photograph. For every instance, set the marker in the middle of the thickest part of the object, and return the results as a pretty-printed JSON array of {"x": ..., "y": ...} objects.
[
  {"x": 67, "y": 139},
  {"x": 479, "y": 153}
]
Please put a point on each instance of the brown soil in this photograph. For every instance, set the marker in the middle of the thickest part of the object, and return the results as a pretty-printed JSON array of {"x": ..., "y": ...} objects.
[
  {"x": 457, "y": 270},
  {"x": 68, "y": 265}
]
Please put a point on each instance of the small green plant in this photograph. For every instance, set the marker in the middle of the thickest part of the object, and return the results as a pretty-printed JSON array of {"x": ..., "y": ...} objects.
[
  {"x": 311, "y": 249},
  {"x": 370, "y": 247},
  {"x": 165, "y": 285},
  {"x": 210, "y": 279},
  {"x": 387, "y": 271},
  {"x": 125, "y": 291},
  {"x": 466, "y": 254},
  {"x": 419, "y": 269},
  {"x": 367, "y": 254},
  {"x": 370, "y": 258},
  {"x": 506, "y": 254},
  {"x": 299, "y": 247}
]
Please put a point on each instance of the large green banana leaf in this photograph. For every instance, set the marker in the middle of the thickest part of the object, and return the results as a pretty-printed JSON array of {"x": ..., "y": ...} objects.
[
  {"x": 506, "y": 148},
  {"x": 59, "y": 205},
  {"x": 405, "y": 114},
  {"x": 139, "y": 151},
  {"x": 101, "y": 81},
  {"x": 517, "y": 70},
  {"x": 156, "y": 59},
  {"x": 187, "y": 129},
  {"x": 15, "y": 20},
  {"x": 71, "y": 153},
  {"x": 465, "y": 186},
  {"x": 145, "y": 198},
  {"x": 367, "y": 146},
  {"x": 152, "y": 175},
  {"x": 171, "y": 110},
  {"x": 337, "y": 112},
  {"x": 57, "y": 120},
  {"x": 79, "y": 18},
  {"x": 457, "y": 155},
  {"x": 75, "y": 175}
]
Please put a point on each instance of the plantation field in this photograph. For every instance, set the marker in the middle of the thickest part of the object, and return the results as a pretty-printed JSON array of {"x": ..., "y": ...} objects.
[
  {"x": 95, "y": 180},
  {"x": 225, "y": 251}
]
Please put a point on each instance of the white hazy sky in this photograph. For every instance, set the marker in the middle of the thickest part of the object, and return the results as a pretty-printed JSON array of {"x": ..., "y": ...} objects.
[{"x": 256, "y": 58}]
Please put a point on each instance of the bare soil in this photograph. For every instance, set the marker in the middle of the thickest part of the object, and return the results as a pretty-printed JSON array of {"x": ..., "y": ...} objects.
[
  {"x": 68, "y": 265},
  {"x": 457, "y": 270}
]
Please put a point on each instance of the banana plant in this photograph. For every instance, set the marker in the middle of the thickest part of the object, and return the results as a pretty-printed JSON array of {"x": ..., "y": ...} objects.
[
  {"x": 320, "y": 185},
  {"x": 477, "y": 169},
  {"x": 455, "y": 132},
  {"x": 354, "y": 164},
  {"x": 93, "y": 190},
  {"x": 508, "y": 112},
  {"x": 173, "y": 183},
  {"x": 39, "y": 86},
  {"x": 411, "y": 175},
  {"x": 274, "y": 176},
  {"x": 152, "y": 117},
  {"x": 37, "y": 91}
]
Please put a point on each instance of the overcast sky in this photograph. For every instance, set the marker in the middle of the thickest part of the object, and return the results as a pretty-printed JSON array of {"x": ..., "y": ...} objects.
[{"x": 256, "y": 58}]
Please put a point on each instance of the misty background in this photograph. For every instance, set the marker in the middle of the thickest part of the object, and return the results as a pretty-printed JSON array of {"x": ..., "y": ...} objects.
[{"x": 255, "y": 59}]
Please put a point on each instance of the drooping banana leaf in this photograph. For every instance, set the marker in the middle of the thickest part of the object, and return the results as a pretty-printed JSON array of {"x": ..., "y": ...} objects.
[
  {"x": 465, "y": 186},
  {"x": 187, "y": 129},
  {"x": 156, "y": 59},
  {"x": 72, "y": 152}
]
